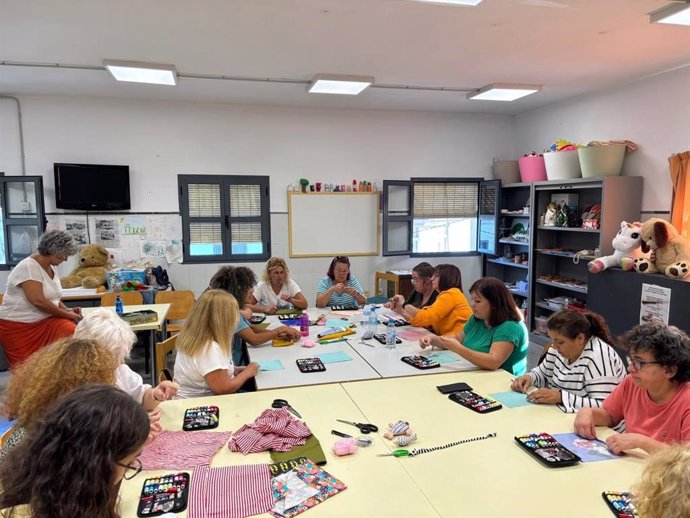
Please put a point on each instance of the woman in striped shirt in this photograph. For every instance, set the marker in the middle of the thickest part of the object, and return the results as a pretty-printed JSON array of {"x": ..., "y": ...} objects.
[{"x": 580, "y": 369}]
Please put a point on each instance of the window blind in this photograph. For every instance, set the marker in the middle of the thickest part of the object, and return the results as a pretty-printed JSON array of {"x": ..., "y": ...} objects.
[
  {"x": 205, "y": 233},
  {"x": 445, "y": 199},
  {"x": 245, "y": 200},
  {"x": 204, "y": 200}
]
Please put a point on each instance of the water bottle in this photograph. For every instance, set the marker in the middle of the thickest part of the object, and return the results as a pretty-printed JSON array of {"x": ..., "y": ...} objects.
[
  {"x": 373, "y": 320},
  {"x": 119, "y": 308},
  {"x": 390, "y": 334},
  {"x": 364, "y": 323},
  {"x": 304, "y": 324}
]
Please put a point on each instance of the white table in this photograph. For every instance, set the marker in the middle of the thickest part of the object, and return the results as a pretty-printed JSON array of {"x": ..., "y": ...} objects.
[{"x": 159, "y": 325}]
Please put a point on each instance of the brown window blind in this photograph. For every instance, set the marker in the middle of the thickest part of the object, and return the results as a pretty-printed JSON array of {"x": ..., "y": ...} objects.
[{"x": 445, "y": 199}]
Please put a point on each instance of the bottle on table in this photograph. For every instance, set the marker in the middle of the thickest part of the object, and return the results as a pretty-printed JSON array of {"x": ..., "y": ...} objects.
[
  {"x": 304, "y": 324},
  {"x": 119, "y": 307},
  {"x": 373, "y": 320},
  {"x": 365, "y": 318},
  {"x": 391, "y": 334}
]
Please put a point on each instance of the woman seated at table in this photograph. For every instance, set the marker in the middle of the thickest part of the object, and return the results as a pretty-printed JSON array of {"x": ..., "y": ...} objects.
[
  {"x": 580, "y": 368},
  {"x": 32, "y": 315},
  {"x": 339, "y": 287},
  {"x": 203, "y": 365},
  {"x": 495, "y": 335},
  {"x": 654, "y": 399},
  {"x": 49, "y": 374},
  {"x": 106, "y": 328},
  {"x": 449, "y": 312},
  {"x": 424, "y": 293},
  {"x": 73, "y": 459},
  {"x": 276, "y": 290},
  {"x": 239, "y": 281}
]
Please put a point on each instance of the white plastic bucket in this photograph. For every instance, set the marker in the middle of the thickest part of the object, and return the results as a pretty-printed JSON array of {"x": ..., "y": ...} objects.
[
  {"x": 601, "y": 160},
  {"x": 506, "y": 170},
  {"x": 562, "y": 165}
]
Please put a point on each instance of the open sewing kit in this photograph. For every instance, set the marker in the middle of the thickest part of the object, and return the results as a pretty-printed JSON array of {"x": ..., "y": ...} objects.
[
  {"x": 473, "y": 401},
  {"x": 164, "y": 494},
  {"x": 547, "y": 450},
  {"x": 621, "y": 504},
  {"x": 201, "y": 418},
  {"x": 144, "y": 316}
]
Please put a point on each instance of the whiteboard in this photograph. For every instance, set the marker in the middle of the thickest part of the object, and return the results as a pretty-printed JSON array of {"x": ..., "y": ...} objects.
[{"x": 324, "y": 224}]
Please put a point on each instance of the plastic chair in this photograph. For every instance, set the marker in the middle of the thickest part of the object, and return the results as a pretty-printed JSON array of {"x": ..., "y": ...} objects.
[
  {"x": 377, "y": 300},
  {"x": 162, "y": 350},
  {"x": 129, "y": 298},
  {"x": 181, "y": 303}
]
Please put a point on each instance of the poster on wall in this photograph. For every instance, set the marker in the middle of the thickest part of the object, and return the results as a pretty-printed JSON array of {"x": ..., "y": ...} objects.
[
  {"x": 149, "y": 248},
  {"x": 77, "y": 227},
  {"x": 133, "y": 226},
  {"x": 107, "y": 233},
  {"x": 655, "y": 303}
]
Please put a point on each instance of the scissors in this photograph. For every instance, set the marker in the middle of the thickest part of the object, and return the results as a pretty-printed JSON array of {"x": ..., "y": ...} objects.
[
  {"x": 282, "y": 403},
  {"x": 363, "y": 427}
]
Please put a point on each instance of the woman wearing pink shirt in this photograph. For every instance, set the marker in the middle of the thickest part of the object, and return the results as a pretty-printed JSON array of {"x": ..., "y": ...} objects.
[{"x": 654, "y": 399}]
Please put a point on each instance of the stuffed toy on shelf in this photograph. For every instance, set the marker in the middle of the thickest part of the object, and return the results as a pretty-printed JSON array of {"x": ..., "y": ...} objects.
[
  {"x": 90, "y": 273},
  {"x": 670, "y": 252},
  {"x": 626, "y": 244}
]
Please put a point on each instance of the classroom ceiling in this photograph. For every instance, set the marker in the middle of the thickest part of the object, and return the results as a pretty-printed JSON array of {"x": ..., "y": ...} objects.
[{"x": 571, "y": 47}]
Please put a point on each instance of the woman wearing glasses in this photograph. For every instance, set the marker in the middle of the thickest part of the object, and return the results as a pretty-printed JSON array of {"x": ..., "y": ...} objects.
[
  {"x": 580, "y": 369},
  {"x": 339, "y": 287},
  {"x": 654, "y": 399},
  {"x": 276, "y": 289},
  {"x": 424, "y": 293},
  {"x": 74, "y": 458}
]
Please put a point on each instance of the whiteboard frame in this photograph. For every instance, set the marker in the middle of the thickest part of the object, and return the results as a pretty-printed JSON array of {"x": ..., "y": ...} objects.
[{"x": 327, "y": 211}]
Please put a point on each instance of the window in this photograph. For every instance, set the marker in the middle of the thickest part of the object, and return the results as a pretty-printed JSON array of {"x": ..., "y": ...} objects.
[
  {"x": 430, "y": 216},
  {"x": 22, "y": 218},
  {"x": 225, "y": 218}
]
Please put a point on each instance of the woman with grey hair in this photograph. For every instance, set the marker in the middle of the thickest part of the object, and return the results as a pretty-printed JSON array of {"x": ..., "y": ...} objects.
[{"x": 32, "y": 314}]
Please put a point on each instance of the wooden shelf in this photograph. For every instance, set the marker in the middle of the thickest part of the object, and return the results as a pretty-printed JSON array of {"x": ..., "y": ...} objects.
[
  {"x": 508, "y": 263},
  {"x": 572, "y": 229},
  {"x": 507, "y": 241},
  {"x": 578, "y": 289}
]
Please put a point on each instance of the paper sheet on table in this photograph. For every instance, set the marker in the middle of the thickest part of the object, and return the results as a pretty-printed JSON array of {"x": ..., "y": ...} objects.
[
  {"x": 588, "y": 450},
  {"x": 511, "y": 399},
  {"x": 271, "y": 365},
  {"x": 263, "y": 325},
  {"x": 338, "y": 356},
  {"x": 443, "y": 357},
  {"x": 338, "y": 322},
  {"x": 413, "y": 334},
  {"x": 341, "y": 314}
]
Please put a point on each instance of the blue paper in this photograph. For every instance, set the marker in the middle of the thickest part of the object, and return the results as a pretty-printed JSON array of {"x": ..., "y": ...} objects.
[
  {"x": 442, "y": 357},
  {"x": 338, "y": 322},
  {"x": 271, "y": 365},
  {"x": 588, "y": 450},
  {"x": 511, "y": 399},
  {"x": 338, "y": 356}
]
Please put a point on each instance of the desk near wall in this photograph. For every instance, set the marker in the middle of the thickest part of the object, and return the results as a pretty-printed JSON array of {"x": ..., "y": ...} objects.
[{"x": 395, "y": 283}]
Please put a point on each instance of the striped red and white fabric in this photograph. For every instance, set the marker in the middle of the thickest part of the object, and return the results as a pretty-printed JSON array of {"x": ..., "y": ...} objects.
[
  {"x": 182, "y": 450},
  {"x": 275, "y": 430},
  {"x": 230, "y": 492}
]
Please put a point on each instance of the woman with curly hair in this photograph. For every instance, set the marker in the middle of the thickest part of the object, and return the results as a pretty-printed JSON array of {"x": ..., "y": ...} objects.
[
  {"x": 32, "y": 314},
  {"x": 73, "y": 458},
  {"x": 49, "y": 374},
  {"x": 665, "y": 488},
  {"x": 654, "y": 399},
  {"x": 276, "y": 289}
]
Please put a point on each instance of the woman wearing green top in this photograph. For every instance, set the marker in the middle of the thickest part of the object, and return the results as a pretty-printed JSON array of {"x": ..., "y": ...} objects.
[{"x": 495, "y": 336}]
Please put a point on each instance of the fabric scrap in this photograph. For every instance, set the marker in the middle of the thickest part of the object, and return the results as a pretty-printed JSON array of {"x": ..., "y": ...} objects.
[
  {"x": 274, "y": 429},
  {"x": 182, "y": 450}
]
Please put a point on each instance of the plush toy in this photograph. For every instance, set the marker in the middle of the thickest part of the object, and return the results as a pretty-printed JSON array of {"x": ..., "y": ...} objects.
[
  {"x": 93, "y": 264},
  {"x": 627, "y": 248},
  {"x": 670, "y": 252},
  {"x": 550, "y": 216},
  {"x": 344, "y": 446},
  {"x": 398, "y": 428}
]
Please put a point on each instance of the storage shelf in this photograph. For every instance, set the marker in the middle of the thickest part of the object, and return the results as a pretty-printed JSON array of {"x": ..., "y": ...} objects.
[
  {"x": 506, "y": 241},
  {"x": 517, "y": 292},
  {"x": 544, "y": 305},
  {"x": 508, "y": 263},
  {"x": 569, "y": 255},
  {"x": 515, "y": 214},
  {"x": 578, "y": 289},
  {"x": 571, "y": 229},
  {"x": 539, "y": 338}
]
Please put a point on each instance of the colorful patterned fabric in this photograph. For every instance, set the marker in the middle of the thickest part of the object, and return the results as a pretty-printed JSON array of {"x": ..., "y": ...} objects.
[
  {"x": 182, "y": 450},
  {"x": 273, "y": 430}
]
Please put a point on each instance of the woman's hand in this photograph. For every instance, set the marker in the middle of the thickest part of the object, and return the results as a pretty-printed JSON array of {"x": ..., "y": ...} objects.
[
  {"x": 339, "y": 288},
  {"x": 620, "y": 442},
  {"x": 270, "y": 310},
  {"x": 584, "y": 424},
  {"x": 251, "y": 370},
  {"x": 521, "y": 384},
  {"x": 164, "y": 390},
  {"x": 545, "y": 396},
  {"x": 287, "y": 332},
  {"x": 286, "y": 297},
  {"x": 246, "y": 313},
  {"x": 427, "y": 341}
]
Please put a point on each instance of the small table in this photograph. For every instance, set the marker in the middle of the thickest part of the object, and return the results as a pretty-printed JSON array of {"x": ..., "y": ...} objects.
[
  {"x": 162, "y": 312},
  {"x": 402, "y": 284}
]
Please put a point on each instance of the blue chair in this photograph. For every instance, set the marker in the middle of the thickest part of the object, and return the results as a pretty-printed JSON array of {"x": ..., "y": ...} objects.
[{"x": 378, "y": 299}]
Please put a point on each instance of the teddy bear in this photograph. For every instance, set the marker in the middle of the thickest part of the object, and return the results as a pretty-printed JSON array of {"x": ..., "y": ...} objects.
[
  {"x": 93, "y": 265},
  {"x": 670, "y": 252},
  {"x": 627, "y": 248}
]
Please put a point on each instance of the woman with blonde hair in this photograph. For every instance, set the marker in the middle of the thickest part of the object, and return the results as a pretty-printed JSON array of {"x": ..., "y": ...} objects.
[
  {"x": 665, "y": 488},
  {"x": 276, "y": 290},
  {"x": 204, "y": 365},
  {"x": 50, "y": 373}
]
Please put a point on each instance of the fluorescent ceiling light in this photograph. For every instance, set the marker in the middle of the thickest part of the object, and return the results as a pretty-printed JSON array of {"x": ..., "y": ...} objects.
[
  {"x": 676, "y": 13},
  {"x": 502, "y": 92},
  {"x": 472, "y": 3},
  {"x": 339, "y": 84},
  {"x": 137, "y": 72}
]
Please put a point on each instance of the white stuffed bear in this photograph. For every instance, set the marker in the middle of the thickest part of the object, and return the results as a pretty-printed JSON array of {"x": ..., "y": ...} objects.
[{"x": 627, "y": 248}]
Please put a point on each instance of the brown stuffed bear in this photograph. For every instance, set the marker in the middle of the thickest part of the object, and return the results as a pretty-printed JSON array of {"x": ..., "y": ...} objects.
[
  {"x": 670, "y": 251},
  {"x": 93, "y": 263}
]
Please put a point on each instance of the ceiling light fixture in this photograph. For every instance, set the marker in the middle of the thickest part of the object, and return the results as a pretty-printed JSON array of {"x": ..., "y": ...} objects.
[
  {"x": 675, "y": 13},
  {"x": 339, "y": 84},
  {"x": 138, "y": 72},
  {"x": 471, "y": 3},
  {"x": 503, "y": 92}
]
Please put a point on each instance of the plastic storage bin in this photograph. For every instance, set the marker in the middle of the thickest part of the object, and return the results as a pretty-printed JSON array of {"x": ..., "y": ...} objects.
[
  {"x": 601, "y": 160},
  {"x": 119, "y": 277},
  {"x": 532, "y": 168},
  {"x": 506, "y": 170},
  {"x": 562, "y": 165}
]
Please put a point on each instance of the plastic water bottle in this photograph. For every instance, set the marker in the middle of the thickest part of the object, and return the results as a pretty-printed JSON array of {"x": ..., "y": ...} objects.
[
  {"x": 119, "y": 308},
  {"x": 373, "y": 320},
  {"x": 304, "y": 324},
  {"x": 365, "y": 318},
  {"x": 391, "y": 334}
]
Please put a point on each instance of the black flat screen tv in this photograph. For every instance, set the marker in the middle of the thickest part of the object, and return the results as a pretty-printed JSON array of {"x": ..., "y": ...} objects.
[{"x": 91, "y": 187}]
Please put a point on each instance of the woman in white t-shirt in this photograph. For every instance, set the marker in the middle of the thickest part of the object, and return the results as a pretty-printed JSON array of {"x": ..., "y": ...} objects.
[
  {"x": 276, "y": 289},
  {"x": 32, "y": 314},
  {"x": 203, "y": 365}
]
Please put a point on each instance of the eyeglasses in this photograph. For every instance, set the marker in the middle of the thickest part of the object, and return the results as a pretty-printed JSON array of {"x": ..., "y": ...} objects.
[
  {"x": 132, "y": 469},
  {"x": 341, "y": 270},
  {"x": 639, "y": 364}
]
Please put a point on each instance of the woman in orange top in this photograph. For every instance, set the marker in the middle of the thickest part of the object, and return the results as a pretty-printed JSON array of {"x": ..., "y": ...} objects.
[{"x": 448, "y": 314}]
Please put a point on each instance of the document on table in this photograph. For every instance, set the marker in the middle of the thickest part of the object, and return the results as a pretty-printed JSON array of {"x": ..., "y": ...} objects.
[
  {"x": 271, "y": 365},
  {"x": 511, "y": 399},
  {"x": 338, "y": 356}
]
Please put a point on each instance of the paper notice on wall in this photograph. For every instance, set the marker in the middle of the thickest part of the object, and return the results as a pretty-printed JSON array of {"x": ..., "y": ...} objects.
[
  {"x": 173, "y": 253},
  {"x": 108, "y": 233},
  {"x": 133, "y": 226},
  {"x": 152, "y": 248},
  {"x": 655, "y": 303},
  {"x": 77, "y": 227}
]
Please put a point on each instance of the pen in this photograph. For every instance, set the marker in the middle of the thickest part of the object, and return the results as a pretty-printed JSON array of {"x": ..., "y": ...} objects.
[{"x": 333, "y": 341}]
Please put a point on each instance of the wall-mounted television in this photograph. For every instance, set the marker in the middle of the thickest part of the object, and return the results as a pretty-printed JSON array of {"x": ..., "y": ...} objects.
[{"x": 91, "y": 187}]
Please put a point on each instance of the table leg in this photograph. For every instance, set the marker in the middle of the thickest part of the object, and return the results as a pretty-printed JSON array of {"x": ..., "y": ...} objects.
[{"x": 154, "y": 363}]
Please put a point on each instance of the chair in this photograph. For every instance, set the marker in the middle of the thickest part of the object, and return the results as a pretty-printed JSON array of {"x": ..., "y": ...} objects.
[
  {"x": 377, "y": 300},
  {"x": 181, "y": 303},
  {"x": 129, "y": 298},
  {"x": 162, "y": 350}
]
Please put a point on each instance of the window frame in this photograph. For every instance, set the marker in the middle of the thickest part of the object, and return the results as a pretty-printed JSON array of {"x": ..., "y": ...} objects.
[{"x": 225, "y": 218}]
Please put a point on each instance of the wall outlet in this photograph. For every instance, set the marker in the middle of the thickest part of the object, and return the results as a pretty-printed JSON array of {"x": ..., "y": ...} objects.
[{"x": 24, "y": 206}]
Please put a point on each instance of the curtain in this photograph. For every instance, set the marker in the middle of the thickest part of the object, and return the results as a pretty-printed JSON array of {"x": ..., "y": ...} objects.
[{"x": 680, "y": 205}]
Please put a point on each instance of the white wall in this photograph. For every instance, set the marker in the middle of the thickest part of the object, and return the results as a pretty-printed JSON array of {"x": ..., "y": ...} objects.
[
  {"x": 161, "y": 139},
  {"x": 654, "y": 113}
]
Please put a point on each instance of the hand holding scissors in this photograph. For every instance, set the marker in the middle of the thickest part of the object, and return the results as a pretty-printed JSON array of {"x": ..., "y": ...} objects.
[
  {"x": 282, "y": 403},
  {"x": 363, "y": 427}
]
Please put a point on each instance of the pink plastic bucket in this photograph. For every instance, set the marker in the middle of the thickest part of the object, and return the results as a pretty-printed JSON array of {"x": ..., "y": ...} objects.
[{"x": 532, "y": 168}]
